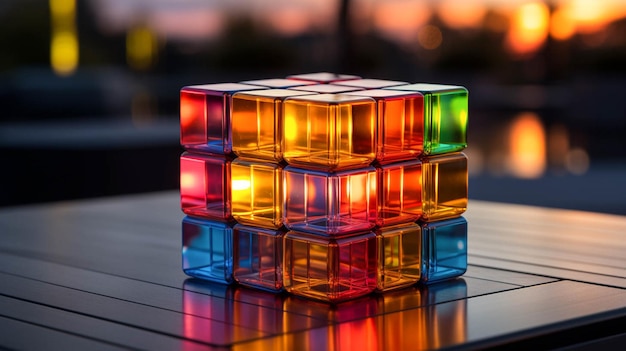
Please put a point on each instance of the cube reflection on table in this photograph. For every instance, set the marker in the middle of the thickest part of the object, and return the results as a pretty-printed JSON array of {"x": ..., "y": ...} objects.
[
  {"x": 445, "y": 183},
  {"x": 399, "y": 256},
  {"x": 256, "y": 192},
  {"x": 400, "y": 123},
  {"x": 444, "y": 249},
  {"x": 257, "y": 122},
  {"x": 399, "y": 192},
  {"x": 329, "y": 131},
  {"x": 205, "y": 116},
  {"x": 330, "y": 203},
  {"x": 208, "y": 249},
  {"x": 330, "y": 269},
  {"x": 258, "y": 257},
  {"x": 323, "y": 77},
  {"x": 445, "y": 116},
  {"x": 205, "y": 185}
]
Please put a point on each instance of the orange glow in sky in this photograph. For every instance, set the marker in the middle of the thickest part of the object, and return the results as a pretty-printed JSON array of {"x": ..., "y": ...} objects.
[
  {"x": 401, "y": 19},
  {"x": 529, "y": 28},
  {"x": 459, "y": 14}
]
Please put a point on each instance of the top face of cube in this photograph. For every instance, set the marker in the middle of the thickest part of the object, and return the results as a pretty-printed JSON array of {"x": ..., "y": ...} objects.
[
  {"x": 278, "y": 83},
  {"x": 323, "y": 77},
  {"x": 385, "y": 94},
  {"x": 426, "y": 88},
  {"x": 218, "y": 88},
  {"x": 205, "y": 116},
  {"x": 371, "y": 83},
  {"x": 269, "y": 93},
  {"x": 326, "y": 88},
  {"x": 331, "y": 99}
]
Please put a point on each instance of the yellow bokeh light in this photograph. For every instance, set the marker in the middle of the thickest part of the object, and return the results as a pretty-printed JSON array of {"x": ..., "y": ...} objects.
[
  {"x": 64, "y": 53},
  {"x": 64, "y": 49},
  {"x": 140, "y": 48}
]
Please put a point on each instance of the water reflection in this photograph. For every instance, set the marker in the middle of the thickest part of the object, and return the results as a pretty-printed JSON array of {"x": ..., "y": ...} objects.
[{"x": 524, "y": 147}]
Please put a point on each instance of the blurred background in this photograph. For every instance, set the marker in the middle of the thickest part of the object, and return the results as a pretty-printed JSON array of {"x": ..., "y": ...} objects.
[{"x": 89, "y": 89}]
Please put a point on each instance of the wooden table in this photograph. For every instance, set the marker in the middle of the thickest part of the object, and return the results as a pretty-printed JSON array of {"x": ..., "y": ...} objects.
[{"x": 106, "y": 274}]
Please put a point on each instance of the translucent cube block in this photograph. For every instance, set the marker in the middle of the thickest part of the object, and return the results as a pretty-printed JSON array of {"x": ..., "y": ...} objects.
[
  {"x": 399, "y": 256},
  {"x": 330, "y": 203},
  {"x": 278, "y": 82},
  {"x": 205, "y": 116},
  {"x": 256, "y": 193},
  {"x": 258, "y": 257},
  {"x": 330, "y": 269},
  {"x": 205, "y": 185},
  {"x": 368, "y": 83},
  {"x": 444, "y": 249},
  {"x": 256, "y": 122},
  {"x": 445, "y": 116},
  {"x": 399, "y": 192},
  {"x": 400, "y": 123},
  {"x": 208, "y": 249},
  {"x": 323, "y": 77},
  {"x": 325, "y": 88},
  {"x": 329, "y": 131},
  {"x": 444, "y": 189}
]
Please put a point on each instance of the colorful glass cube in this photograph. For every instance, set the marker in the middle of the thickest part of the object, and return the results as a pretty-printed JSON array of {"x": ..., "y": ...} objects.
[
  {"x": 399, "y": 192},
  {"x": 444, "y": 189},
  {"x": 445, "y": 116},
  {"x": 399, "y": 256},
  {"x": 205, "y": 116},
  {"x": 330, "y": 203},
  {"x": 329, "y": 131},
  {"x": 257, "y": 122},
  {"x": 330, "y": 269},
  {"x": 444, "y": 249},
  {"x": 205, "y": 185},
  {"x": 208, "y": 249},
  {"x": 257, "y": 193},
  {"x": 400, "y": 123},
  {"x": 258, "y": 257},
  {"x": 325, "y": 88}
]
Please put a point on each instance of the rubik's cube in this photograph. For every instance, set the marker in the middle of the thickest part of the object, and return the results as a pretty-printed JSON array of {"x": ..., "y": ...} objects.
[{"x": 324, "y": 185}]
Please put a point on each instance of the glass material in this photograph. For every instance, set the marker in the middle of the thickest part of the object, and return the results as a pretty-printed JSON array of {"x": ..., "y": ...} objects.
[
  {"x": 205, "y": 116},
  {"x": 445, "y": 183},
  {"x": 330, "y": 203},
  {"x": 367, "y": 83},
  {"x": 330, "y": 269},
  {"x": 445, "y": 116},
  {"x": 325, "y": 88},
  {"x": 323, "y": 77},
  {"x": 257, "y": 122},
  {"x": 256, "y": 192},
  {"x": 208, "y": 249},
  {"x": 399, "y": 256},
  {"x": 400, "y": 126},
  {"x": 399, "y": 192},
  {"x": 278, "y": 82},
  {"x": 444, "y": 245},
  {"x": 258, "y": 257},
  {"x": 205, "y": 185},
  {"x": 329, "y": 131}
]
